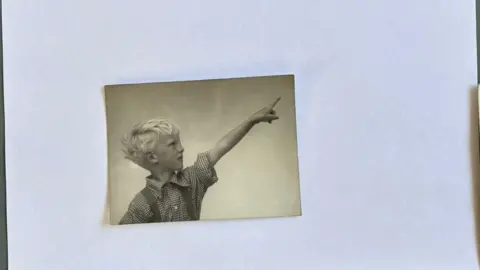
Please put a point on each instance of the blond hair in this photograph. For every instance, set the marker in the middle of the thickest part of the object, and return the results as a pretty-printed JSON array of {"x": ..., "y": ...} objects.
[{"x": 144, "y": 137}]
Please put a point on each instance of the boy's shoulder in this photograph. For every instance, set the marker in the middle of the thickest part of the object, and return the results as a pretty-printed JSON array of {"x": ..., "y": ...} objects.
[{"x": 140, "y": 200}]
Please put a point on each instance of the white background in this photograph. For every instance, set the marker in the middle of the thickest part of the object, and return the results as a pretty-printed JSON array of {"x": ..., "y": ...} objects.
[{"x": 383, "y": 117}]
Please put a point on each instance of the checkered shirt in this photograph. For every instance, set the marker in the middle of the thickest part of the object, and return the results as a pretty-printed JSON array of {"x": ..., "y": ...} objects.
[{"x": 171, "y": 205}]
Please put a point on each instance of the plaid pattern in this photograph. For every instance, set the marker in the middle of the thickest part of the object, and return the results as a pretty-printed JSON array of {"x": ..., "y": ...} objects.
[{"x": 199, "y": 177}]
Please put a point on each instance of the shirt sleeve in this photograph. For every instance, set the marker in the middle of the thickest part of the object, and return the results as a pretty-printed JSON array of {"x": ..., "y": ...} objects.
[
  {"x": 203, "y": 170},
  {"x": 138, "y": 211}
]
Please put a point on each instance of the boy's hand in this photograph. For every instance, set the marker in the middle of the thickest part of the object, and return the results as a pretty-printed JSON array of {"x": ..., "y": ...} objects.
[
  {"x": 266, "y": 114},
  {"x": 228, "y": 141}
]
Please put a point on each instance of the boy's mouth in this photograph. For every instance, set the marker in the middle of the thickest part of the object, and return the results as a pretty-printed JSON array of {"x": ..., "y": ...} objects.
[{"x": 180, "y": 158}]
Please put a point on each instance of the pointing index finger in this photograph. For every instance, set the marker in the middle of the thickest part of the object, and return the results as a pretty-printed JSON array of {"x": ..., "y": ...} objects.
[{"x": 275, "y": 102}]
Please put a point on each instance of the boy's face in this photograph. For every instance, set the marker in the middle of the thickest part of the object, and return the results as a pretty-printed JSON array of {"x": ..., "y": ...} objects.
[{"x": 169, "y": 153}]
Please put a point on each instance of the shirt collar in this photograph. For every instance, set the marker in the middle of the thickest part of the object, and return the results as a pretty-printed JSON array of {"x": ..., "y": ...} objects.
[{"x": 177, "y": 178}]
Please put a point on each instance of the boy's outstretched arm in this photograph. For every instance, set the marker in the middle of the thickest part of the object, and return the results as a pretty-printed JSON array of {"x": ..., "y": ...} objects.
[{"x": 266, "y": 114}]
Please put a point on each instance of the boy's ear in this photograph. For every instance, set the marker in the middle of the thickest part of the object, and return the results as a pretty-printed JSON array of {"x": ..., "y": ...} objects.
[{"x": 152, "y": 158}]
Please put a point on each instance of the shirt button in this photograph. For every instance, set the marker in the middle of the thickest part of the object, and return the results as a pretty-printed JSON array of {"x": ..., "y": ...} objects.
[{"x": 175, "y": 207}]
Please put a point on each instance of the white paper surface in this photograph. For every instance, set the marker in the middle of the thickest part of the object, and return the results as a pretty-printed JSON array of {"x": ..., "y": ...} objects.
[{"x": 383, "y": 119}]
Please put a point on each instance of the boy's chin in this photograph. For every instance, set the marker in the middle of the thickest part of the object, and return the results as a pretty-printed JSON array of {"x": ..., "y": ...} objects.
[{"x": 179, "y": 167}]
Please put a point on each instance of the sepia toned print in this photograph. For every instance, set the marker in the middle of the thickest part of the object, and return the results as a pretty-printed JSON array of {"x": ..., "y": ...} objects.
[{"x": 170, "y": 143}]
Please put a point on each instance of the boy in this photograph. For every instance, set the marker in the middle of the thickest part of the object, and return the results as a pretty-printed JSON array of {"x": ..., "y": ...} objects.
[{"x": 174, "y": 193}]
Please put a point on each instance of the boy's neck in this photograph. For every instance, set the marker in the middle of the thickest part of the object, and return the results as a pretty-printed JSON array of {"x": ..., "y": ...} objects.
[{"x": 162, "y": 176}]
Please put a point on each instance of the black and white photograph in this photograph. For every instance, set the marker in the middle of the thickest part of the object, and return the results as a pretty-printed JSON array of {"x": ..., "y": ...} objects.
[{"x": 202, "y": 150}]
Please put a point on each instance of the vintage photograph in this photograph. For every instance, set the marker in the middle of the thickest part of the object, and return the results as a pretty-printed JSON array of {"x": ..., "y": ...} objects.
[{"x": 202, "y": 150}]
